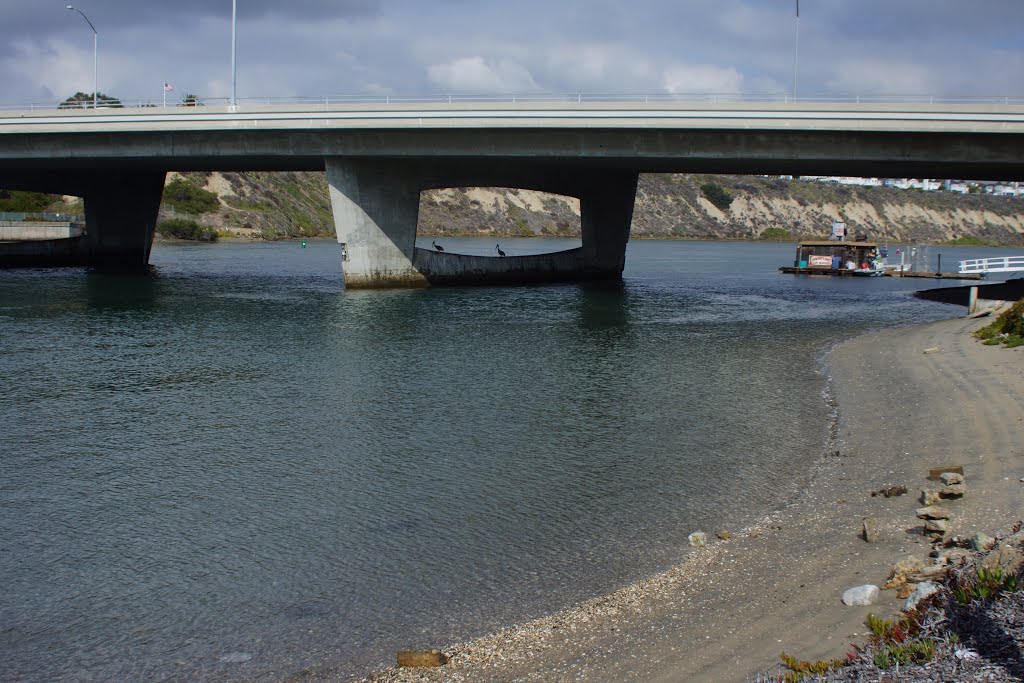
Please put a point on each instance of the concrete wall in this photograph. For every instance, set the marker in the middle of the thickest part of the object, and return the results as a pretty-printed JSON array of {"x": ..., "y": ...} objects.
[
  {"x": 983, "y": 296},
  {"x": 460, "y": 269},
  {"x": 72, "y": 251},
  {"x": 38, "y": 230}
]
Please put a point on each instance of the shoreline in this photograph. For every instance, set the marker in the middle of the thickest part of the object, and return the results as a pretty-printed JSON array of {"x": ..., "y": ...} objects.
[
  {"x": 644, "y": 236},
  {"x": 727, "y": 611}
]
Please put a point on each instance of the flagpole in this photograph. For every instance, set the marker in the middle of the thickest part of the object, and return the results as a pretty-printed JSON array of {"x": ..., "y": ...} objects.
[{"x": 796, "y": 48}]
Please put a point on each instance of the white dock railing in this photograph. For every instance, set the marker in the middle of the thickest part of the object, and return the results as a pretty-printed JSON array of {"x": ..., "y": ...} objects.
[{"x": 997, "y": 264}]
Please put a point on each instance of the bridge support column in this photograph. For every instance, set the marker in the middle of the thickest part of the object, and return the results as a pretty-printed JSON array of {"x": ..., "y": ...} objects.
[
  {"x": 120, "y": 218},
  {"x": 606, "y": 213},
  {"x": 376, "y": 206}
]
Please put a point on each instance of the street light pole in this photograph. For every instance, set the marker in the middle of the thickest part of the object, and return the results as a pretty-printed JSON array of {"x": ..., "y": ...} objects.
[
  {"x": 234, "y": 70},
  {"x": 796, "y": 48},
  {"x": 95, "y": 56}
]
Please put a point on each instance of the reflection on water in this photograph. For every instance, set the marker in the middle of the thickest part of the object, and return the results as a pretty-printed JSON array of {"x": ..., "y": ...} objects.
[{"x": 231, "y": 467}]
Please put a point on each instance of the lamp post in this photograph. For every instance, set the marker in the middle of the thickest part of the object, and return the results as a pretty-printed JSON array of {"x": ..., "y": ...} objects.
[
  {"x": 234, "y": 71},
  {"x": 796, "y": 47},
  {"x": 95, "y": 55}
]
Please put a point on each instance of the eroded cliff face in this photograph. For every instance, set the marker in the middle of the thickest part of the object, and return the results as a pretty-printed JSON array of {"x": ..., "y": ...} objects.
[
  {"x": 272, "y": 205},
  {"x": 673, "y": 205}
]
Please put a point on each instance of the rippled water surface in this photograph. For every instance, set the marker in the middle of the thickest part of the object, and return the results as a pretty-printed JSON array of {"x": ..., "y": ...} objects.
[{"x": 232, "y": 469}]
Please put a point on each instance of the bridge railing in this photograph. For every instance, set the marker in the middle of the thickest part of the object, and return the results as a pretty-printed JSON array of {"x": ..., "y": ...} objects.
[
  {"x": 539, "y": 98},
  {"x": 997, "y": 264}
]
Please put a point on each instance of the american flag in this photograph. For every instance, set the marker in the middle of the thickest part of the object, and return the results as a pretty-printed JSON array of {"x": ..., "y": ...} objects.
[{"x": 168, "y": 87}]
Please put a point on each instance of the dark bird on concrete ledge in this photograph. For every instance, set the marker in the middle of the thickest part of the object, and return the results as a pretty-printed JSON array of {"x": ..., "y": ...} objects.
[
  {"x": 437, "y": 246},
  {"x": 500, "y": 252}
]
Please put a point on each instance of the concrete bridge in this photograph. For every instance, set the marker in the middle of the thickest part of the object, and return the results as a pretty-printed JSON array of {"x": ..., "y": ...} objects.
[{"x": 379, "y": 157}]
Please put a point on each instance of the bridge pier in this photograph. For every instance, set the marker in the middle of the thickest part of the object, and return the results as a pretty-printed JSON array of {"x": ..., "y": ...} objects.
[
  {"x": 120, "y": 218},
  {"x": 376, "y": 207},
  {"x": 606, "y": 212}
]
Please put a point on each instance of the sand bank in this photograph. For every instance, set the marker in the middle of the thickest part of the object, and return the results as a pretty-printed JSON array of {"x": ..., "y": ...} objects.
[{"x": 729, "y": 610}]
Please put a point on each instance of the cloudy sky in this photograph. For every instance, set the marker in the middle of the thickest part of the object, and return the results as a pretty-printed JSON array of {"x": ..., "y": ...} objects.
[{"x": 944, "y": 48}]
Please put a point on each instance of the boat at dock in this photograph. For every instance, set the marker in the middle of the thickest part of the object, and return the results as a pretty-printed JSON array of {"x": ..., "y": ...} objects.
[
  {"x": 838, "y": 257},
  {"x": 861, "y": 258}
]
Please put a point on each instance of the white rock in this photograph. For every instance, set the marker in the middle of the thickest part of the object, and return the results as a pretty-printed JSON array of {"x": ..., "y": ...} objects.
[
  {"x": 861, "y": 595},
  {"x": 921, "y": 591},
  {"x": 965, "y": 654},
  {"x": 951, "y": 478},
  {"x": 698, "y": 539},
  {"x": 982, "y": 542}
]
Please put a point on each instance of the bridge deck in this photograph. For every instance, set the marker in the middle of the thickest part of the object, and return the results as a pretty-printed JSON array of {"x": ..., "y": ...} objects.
[{"x": 973, "y": 118}]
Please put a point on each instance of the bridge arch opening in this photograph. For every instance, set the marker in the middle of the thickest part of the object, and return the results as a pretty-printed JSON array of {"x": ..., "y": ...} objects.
[
  {"x": 522, "y": 221},
  {"x": 40, "y": 217}
]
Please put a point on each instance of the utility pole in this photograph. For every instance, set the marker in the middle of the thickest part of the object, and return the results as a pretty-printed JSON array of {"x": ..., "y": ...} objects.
[{"x": 234, "y": 68}]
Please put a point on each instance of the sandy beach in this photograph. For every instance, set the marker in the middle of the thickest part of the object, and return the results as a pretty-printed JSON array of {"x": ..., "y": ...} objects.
[{"x": 908, "y": 400}]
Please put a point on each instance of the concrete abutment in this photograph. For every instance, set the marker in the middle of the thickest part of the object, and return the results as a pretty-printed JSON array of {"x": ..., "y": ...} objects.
[{"x": 376, "y": 206}]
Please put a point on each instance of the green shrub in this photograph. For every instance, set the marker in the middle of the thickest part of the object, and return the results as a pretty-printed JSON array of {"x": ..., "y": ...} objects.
[
  {"x": 82, "y": 100},
  {"x": 916, "y": 651},
  {"x": 717, "y": 195},
  {"x": 987, "y": 583},
  {"x": 1007, "y": 329},
  {"x": 798, "y": 668},
  {"x": 182, "y": 229},
  {"x": 776, "y": 235},
  {"x": 183, "y": 196},
  {"x": 896, "y": 641},
  {"x": 17, "y": 201}
]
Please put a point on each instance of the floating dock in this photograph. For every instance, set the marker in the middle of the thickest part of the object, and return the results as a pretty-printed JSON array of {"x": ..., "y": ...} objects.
[
  {"x": 796, "y": 270},
  {"x": 940, "y": 276}
]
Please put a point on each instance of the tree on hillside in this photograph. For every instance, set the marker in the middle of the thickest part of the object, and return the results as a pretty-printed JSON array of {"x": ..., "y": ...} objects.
[
  {"x": 717, "y": 195},
  {"x": 83, "y": 100},
  {"x": 181, "y": 195}
]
